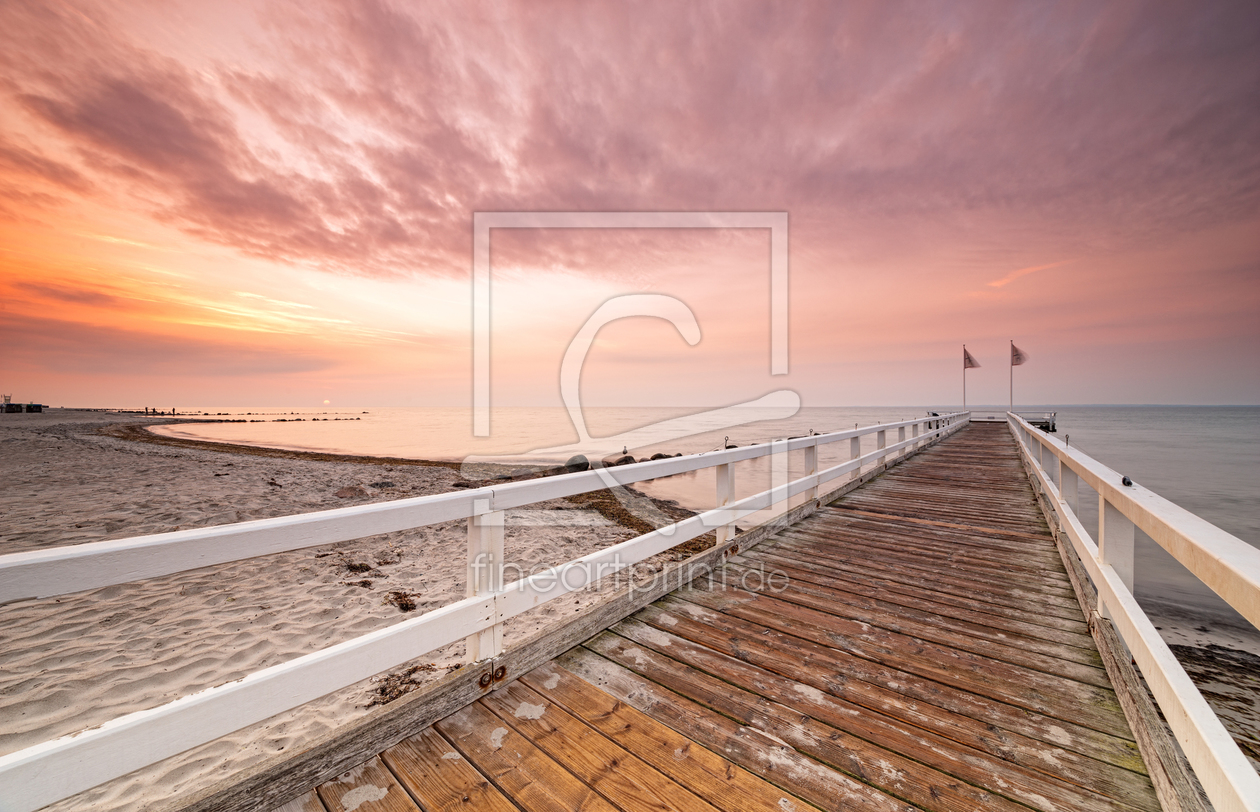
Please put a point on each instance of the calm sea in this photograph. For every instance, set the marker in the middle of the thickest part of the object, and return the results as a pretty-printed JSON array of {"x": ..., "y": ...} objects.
[{"x": 1203, "y": 458}]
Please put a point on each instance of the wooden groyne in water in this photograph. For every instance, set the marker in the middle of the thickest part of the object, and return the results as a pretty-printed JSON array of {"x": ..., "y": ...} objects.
[{"x": 931, "y": 629}]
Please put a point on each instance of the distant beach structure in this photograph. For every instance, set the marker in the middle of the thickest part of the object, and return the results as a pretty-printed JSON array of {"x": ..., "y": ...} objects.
[{"x": 17, "y": 408}]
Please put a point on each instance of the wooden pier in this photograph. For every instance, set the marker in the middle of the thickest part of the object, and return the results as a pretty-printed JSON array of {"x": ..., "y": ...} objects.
[{"x": 917, "y": 644}]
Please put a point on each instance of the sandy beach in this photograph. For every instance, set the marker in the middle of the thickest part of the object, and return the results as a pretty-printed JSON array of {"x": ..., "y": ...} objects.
[{"x": 78, "y": 660}]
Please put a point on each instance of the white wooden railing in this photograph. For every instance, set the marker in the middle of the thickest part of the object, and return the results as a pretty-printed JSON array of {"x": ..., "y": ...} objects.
[
  {"x": 56, "y": 769},
  {"x": 1226, "y": 563}
]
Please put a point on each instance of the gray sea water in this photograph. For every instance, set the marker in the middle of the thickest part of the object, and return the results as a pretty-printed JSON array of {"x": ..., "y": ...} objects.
[{"x": 1204, "y": 459}]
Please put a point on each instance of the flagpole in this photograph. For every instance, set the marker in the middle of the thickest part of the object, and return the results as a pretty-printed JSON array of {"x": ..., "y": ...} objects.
[
  {"x": 964, "y": 377},
  {"x": 1012, "y": 374}
]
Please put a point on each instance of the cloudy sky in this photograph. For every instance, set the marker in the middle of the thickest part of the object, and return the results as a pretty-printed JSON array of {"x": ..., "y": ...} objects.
[{"x": 271, "y": 203}]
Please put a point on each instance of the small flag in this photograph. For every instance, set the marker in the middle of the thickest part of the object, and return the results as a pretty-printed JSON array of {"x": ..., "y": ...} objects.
[
  {"x": 1018, "y": 356},
  {"x": 968, "y": 361}
]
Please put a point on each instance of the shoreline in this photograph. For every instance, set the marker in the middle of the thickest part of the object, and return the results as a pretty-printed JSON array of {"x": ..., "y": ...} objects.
[
  {"x": 140, "y": 433},
  {"x": 601, "y": 501}
]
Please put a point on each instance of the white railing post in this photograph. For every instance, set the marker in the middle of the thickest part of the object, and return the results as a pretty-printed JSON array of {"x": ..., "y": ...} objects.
[
  {"x": 881, "y": 441},
  {"x": 855, "y": 451},
  {"x": 779, "y": 471},
  {"x": 1068, "y": 488},
  {"x": 485, "y": 575},
  {"x": 901, "y": 438},
  {"x": 725, "y": 495},
  {"x": 811, "y": 469},
  {"x": 915, "y": 434},
  {"x": 1115, "y": 545}
]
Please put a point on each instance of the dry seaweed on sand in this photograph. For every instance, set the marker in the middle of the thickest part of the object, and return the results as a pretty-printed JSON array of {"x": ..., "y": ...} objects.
[
  {"x": 403, "y": 600},
  {"x": 391, "y": 686}
]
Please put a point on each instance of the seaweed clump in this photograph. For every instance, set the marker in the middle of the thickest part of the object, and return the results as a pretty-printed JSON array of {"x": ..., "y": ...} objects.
[
  {"x": 402, "y": 600},
  {"x": 392, "y": 686}
]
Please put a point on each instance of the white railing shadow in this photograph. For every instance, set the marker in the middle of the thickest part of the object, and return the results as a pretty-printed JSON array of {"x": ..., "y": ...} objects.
[
  {"x": 1225, "y": 563},
  {"x": 50, "y": 771}
]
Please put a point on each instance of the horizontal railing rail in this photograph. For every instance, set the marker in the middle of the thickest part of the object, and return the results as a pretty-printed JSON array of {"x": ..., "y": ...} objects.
[
  {"x": 1225, "y": 563},
  {"x": 62, "y": 570},
  {"x": 56, "y": 769}
]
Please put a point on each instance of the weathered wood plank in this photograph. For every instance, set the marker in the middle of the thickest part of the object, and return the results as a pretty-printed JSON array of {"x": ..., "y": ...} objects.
[
  {"x": 518, "y": 768},
  {"x": 778, "y": 763},
  {"x": 900, "y": 583},
  {"x": 817, "y": 571},
  {"x": 1026, "y": 580},
  {"x": 891, "y": 771},
  {"x": 440, "y": 778},
  {"x": 1033, "y": 652},
  {"x": 1019, "y": 593},
  {"x": 632, "y": 783},
  {"x": 843, "y": 517},
  {"x": 1023, "y": 767},
  {"x": 703, "y": 771},
  {"x": 938, "y": 582},
  {"x": 309, "y": 802},
  {"x": 1033, "y": 690},
  {"x": 939, "y": 773},
  {"x": 897, "y": 693},
  {"x": 370, "y": 787},
  {"x": 1015, "y": 547},
  {"x": 959, "y": 512}
]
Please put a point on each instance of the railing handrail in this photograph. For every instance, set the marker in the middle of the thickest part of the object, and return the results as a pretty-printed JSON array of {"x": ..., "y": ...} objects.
[
  {"x": 1221, "y": 560},
  {"x": 85, "y": 759},
  {"x": 1227, "y": 564}
]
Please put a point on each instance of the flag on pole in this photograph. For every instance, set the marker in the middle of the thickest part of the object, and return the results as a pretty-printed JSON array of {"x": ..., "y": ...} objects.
[
  {"x": 1018, "y": 356},
  {"x": 969, "y": 362}
]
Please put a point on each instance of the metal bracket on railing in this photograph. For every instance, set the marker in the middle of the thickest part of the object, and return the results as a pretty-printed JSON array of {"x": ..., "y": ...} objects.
[{"x": 488, "y": 678}]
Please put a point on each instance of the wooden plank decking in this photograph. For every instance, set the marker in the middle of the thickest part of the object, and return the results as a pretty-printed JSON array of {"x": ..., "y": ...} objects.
[{"x": 919, "y": 646}]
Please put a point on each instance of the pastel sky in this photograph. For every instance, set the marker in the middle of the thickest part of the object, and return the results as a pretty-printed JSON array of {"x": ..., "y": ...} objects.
[{"x": 271, "y": 203}]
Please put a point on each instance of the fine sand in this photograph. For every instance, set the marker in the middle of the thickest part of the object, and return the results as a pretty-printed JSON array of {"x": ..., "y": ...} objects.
[{"x": 76, "y": 661}]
